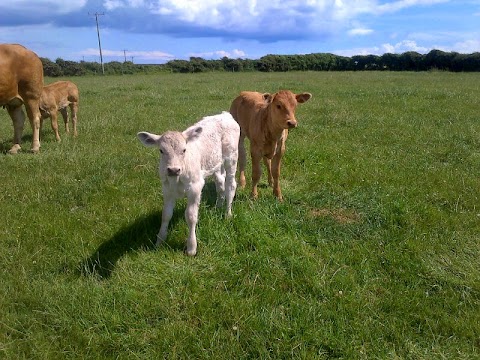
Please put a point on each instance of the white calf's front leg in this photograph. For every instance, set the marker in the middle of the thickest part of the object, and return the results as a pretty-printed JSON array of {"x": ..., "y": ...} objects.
[
  {"x": 191, "y": 216},
  {"x": 167, "y": 212}
]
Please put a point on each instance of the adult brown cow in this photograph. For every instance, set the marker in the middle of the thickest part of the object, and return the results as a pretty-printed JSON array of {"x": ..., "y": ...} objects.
[
  {"x": 21, "y": 82},
  {"x": 265, "y": 119},
  {"x": 57, "y": 97}
]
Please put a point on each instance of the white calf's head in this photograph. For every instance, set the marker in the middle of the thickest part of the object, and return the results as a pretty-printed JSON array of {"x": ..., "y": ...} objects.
[{"x": 173, "y": 148}]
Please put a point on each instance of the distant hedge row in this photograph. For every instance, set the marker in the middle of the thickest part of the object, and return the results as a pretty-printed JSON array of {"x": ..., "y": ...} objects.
[{"x": 408, "y": 61}]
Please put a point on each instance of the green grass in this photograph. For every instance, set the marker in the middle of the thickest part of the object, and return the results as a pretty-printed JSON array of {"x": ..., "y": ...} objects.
[{"x": 373, "y": 254}]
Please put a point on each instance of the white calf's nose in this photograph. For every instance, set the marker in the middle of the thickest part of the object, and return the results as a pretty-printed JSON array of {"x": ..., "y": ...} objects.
[{"x": 173, "y": 171}]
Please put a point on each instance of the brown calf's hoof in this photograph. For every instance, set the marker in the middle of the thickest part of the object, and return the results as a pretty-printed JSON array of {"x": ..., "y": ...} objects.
[{"x": 14, "y": 150}]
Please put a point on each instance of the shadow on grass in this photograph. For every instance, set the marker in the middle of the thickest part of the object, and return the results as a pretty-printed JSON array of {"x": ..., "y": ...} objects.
[
  {"x": 26, "y": 144},
  {"x": 5, "y": 146},
  {"x": 209, "y": 194},
  {"x": 139, "y": 235}
]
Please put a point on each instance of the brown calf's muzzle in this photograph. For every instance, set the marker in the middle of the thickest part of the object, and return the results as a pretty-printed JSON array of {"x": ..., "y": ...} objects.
[{"x": 292, "y": 124}]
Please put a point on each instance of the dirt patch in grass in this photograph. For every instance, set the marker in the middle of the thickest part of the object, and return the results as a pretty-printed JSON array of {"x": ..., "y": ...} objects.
[{"x": 341, "y": 216}]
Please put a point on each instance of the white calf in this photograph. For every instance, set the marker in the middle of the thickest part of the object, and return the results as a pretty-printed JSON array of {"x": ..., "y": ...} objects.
[{"x": 210, "y": 147}]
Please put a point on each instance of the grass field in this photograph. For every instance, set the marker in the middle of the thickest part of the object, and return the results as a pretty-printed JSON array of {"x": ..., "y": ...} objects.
[{"x": 374, "y": 254}]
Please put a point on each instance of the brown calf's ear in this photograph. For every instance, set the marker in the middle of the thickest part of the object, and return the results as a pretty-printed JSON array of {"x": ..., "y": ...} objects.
[
  {"x": 303, "y": 97},
  {"x": 267, "y": 97}
]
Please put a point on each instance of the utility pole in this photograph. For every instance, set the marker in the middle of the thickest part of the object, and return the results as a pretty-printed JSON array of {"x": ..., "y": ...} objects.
[
  {"x": 125, "y": 54},
  {"x": 99, "y": 44}
]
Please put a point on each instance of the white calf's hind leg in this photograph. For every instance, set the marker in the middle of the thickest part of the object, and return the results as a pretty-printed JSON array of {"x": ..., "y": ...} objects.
[
  {"x": 220, "y": 186},
  {"x": 230, "y": 183}
]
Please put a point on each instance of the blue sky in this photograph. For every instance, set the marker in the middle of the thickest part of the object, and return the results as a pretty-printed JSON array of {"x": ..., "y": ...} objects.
[{"x": 156, "y": 31}]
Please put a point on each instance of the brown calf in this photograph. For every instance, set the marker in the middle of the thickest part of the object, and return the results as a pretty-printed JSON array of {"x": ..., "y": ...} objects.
[
  {"x": 21, "y": 82},
  {"x": 57, "y": 97},
  {"x": 265, "y": 119}
]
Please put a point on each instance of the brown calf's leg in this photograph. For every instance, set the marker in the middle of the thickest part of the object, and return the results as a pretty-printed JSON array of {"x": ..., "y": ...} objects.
[
  {"x": 268, "y": 165},
  {"x": 65, "y": 119},
  {"x": 256, "y": 172},
  {"x": 276, "y": 163},
  {"x": 242, "y": 161},
  {"x": 73, "y": 114},
  {"x": 54, "y": 117}
]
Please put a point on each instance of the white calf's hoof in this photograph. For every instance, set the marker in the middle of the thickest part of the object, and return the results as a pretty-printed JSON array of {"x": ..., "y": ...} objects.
[
  {"x": 191, "y": 252},
  {"x": 159, "y": 241}
]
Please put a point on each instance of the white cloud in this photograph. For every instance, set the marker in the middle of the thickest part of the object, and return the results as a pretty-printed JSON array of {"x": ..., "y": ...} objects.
[
  {"x": 404, "y": 46},
  {"x": 467, "y": 46},
  {"x": 450, "y": 41},
  {"x": 39, "y": 6},
  {"x": 359, "y": 32},
  {"x": 144, "y": 55},
  {"x": 398, "y": 48},
  {"x": 269, "y": 16},
  {"x": 114, "y": 4},
  {"x": 402, "y": 4},
  {"x": 234, "y": 54}
]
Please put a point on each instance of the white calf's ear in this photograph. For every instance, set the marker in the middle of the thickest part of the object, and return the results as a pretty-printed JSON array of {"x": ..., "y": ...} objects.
[
  {"x": 193, "y": 134},
  {"x": 148, "y": 139}
]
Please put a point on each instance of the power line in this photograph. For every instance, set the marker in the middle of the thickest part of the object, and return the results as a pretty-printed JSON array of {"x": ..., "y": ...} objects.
[{"x": 98, "y": 34}]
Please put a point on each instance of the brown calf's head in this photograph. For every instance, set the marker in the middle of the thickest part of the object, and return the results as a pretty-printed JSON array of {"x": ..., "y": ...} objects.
[{"x": 282, "y": 107}]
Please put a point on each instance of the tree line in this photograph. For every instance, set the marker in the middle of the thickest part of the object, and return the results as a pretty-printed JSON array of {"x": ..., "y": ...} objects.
[{"x": 408, "y": 61}]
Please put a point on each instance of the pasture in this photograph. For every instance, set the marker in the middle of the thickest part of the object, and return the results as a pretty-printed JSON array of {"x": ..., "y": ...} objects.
[{"x": 374, "y": 253}]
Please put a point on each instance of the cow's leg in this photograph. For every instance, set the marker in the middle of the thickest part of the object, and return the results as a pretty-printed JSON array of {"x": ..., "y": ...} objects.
[
  {"x": 167, "y": 213},
  {"x": 219, "y": 177},
  {"x": 18, "y": 119},
  {"x": 268, "y": 165},
  {"x": 230, "y": 183},
  {"x": 256, "y": 171},
  {"x": 54, "y": 118},
  {"x": 242, "y": 160},
  {"x": 65, "y": 119},
  {"x": 33, "y": 113},
  {"x": 191, "y": 216},
  {"x": 73, "y": 114}
]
